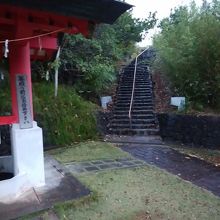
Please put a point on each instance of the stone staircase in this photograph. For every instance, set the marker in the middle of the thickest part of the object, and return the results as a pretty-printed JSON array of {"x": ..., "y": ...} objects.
[{"x": 143, "y": 120}]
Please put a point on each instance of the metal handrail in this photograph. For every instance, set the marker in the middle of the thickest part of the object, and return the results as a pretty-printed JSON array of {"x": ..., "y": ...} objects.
[{"x": 134, "y": 79}]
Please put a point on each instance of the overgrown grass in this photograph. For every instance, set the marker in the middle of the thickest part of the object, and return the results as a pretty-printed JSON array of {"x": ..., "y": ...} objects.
[
  {"x": 88, "y": 151},
  {"x": 65, "y": 119},
  {"x": 141, "y": 193}
]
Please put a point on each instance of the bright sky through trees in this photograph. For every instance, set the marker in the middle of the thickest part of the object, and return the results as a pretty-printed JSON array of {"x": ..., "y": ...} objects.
[{"x": 163, "y": 7}]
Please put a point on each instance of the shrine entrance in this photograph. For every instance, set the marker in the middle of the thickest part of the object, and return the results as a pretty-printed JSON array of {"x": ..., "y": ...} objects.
[{"x": 29, "y": 31}]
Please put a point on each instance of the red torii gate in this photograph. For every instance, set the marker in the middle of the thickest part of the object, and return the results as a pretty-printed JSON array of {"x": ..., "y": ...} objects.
[{"x": 29, "y": 31}]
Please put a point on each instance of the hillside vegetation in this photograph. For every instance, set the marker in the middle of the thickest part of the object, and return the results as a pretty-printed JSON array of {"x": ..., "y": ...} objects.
[
  {"x": 65, "y": 119},
  {"x": 188, "y": 49},
  {"x": 87, "y": 67},
  {"x": 91, "y": 64}
]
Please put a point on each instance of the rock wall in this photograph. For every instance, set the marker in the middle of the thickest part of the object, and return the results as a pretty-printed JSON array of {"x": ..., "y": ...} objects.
[{"x": 203, "y": 131}]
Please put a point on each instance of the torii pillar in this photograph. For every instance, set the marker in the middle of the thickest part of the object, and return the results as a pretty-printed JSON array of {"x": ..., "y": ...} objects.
[
  {"x": 32, "y": 28},
  {"x": 27, "y": 141}
]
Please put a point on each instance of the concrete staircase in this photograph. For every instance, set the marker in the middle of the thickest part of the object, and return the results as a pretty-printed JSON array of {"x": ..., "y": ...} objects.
[{"x": 143, "y": 120}]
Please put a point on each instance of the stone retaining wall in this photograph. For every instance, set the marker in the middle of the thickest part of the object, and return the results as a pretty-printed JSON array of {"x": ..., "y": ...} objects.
[{"x": 201, "y": 131}]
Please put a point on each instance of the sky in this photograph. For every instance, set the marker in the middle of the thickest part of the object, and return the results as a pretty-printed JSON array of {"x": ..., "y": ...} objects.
[{"x": 163, "y": 7}]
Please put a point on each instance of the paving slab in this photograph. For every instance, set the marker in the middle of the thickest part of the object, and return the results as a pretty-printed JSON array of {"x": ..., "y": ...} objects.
[
  {"x": 102, "y": 165},
  {"x": 199, "y": 172},
  {"x": 60, "y": 186}
]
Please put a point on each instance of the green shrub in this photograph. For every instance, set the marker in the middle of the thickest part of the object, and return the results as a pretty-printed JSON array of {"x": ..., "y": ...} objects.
[
  {"x": 5, "y": 97},
  {"x": 65, "y": 119},
  {"x": 189, "y": 52},
  {"x": 95, "y": 60}
]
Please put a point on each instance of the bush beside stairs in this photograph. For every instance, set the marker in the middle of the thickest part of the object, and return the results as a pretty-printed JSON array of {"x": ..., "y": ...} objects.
[{"x": 143, "y": 119}]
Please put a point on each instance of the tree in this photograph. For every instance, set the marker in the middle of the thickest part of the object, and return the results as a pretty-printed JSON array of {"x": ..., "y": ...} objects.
[
  {"x": 189, "y": 52},
  {"x": 96, "y": 59}
]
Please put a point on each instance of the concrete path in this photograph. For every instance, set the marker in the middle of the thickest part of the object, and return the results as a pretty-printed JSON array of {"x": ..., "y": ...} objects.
[
  {"x": 192, "y": 169},
  {"x": 60, "y": 186},
  {"x": 102, "y": 165}
]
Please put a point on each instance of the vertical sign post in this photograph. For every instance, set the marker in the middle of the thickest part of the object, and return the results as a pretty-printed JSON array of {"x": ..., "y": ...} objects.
[{"x": 23, "y": 97}]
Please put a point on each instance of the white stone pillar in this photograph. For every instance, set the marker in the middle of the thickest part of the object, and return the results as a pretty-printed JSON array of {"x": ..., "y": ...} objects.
[{"x": 27, "y": 152}]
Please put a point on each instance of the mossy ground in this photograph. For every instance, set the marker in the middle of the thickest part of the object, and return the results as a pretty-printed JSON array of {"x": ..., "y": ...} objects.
[{"x": 92, "y": 150}]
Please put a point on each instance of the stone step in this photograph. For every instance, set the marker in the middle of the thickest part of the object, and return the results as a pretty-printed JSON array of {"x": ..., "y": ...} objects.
[
  {"x": 143, "y": 119},
  {"x": 140, "y": 117},
  {"x": 130, "y": 86},
  {"x": 136, "y": 97},
  {"x": 145, "y": 97},
  {"x": 134, "y": 104},
  {"x": 137, "y": 85},
  {"x": 144, "y": 91},
  {"x": 124, "y": 85},
  {"x": 135, "y": 131},
  {"x": 142, "y": 111},
  {"x": 144, "y": 77},
  {"x": 131, "y": 74},
  {"x": 132, "y": 126},
  {"x": 131, "y": 78},
  {"x": 138, "y": 76},
  {"x": 144, "y": 80},
  {"x": 136, "y": 94},
  {"x": 135, "y": 101},
  {"x": 134, "y": 107},
  {"x": 140, "y": 87},
  {"x": 135, "y": 89},
  {"x": 132, "y": 69},
  {"x": 133, "y": 121},
  {"x": 126, "y": 109}
]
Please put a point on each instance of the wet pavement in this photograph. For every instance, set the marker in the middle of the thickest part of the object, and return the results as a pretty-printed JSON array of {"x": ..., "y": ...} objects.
[
  {"x": 60, "y": 186},
  {"x": 189, "y": 168}
]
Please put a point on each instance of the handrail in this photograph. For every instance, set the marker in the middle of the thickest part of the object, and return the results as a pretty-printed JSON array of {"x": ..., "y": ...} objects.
[{"x": 134, "y": 79}]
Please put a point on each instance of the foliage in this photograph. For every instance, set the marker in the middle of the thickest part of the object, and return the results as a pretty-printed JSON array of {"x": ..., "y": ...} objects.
[
  {"x": 5, "y": 100},
  {"x": 189, "y": 52},
  {"x": 96, "y": 59},
  {"x": 66, "y": 119}
]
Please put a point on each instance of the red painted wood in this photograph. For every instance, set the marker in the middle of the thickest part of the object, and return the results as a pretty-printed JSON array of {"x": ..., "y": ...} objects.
[
  {"x": 17, "y": 23},
  {"x": 49, "y": 43},
  {"x": 19, "y": 62},
  {"x": 7, "y": 120},
  {"x": 38, "y": 22}
]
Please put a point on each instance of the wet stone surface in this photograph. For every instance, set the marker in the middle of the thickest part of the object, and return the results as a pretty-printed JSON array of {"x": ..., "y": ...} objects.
[
  {"x": 192, "y": 169},
  {"x": 101, "y": 165},
  {"x": 60, "y": 186}
]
